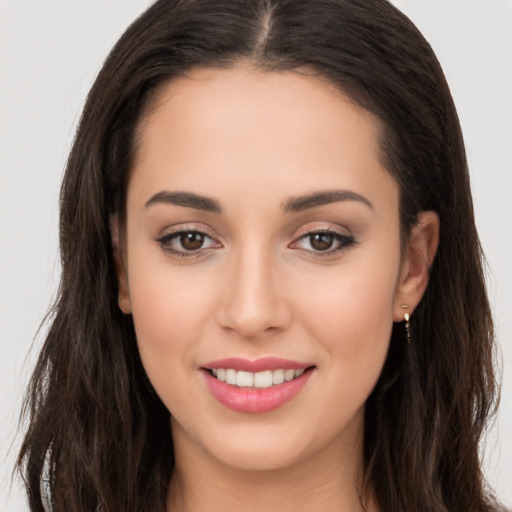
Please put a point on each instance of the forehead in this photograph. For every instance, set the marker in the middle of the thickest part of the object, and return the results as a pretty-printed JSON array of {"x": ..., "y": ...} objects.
[
  {"x": 255, "y": 130},
  {"x": 245, "y": 94}
]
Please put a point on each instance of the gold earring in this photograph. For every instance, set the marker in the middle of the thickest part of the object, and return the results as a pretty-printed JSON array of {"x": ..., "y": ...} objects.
[{"x": 407, "y": 325}]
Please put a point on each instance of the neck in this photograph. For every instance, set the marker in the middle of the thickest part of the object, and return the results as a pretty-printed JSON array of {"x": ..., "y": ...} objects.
[{"x": 329, "y": 480}]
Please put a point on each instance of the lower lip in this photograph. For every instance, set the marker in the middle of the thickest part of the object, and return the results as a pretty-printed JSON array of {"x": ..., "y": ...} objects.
[{"x": 255, "y": 400}]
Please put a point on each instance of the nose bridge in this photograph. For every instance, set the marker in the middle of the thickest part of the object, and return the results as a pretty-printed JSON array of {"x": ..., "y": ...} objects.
[{"x": 255, "y": 302}]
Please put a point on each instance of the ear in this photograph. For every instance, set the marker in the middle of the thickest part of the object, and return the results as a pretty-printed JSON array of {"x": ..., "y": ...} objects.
[
  {"x": 418, "y": 257},
  {"x": 120, "y": 262}
]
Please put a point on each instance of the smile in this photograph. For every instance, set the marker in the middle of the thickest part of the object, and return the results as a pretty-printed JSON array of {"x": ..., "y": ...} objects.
[
  {"x": 264, "y": 379},
  {"x": 256, "y": 386}
]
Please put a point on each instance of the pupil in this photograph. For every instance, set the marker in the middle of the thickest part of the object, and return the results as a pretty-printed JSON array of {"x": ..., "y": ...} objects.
[
  {"x": 192, "y": 241},
  {"x": 321, "y": 241}
]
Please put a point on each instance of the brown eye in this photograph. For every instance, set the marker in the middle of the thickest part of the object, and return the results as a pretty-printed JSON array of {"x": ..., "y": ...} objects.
[
  {"x": 324, "y": 243},
  {"x": 192, "y": 241},
  {"x": 321, "y": 241},
  {"x": 187, "y": 243}
]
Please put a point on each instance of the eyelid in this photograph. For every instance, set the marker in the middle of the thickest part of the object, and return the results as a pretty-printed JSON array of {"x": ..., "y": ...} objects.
[
  {"x": 344, "y": 240},
  {"x": 322, "y": 227},
  {"x": 175, "y": 231},
  {"x": 187, "y": 227}
]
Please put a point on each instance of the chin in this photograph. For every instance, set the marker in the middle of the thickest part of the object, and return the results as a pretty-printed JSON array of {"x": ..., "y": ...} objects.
[
  {"x": 256, "y": 444},
  {"x": 273, "y": 456}
]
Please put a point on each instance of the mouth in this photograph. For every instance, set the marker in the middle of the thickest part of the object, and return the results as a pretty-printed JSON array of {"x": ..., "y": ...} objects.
[
  {"x": 256, "y": 386},
  {"x": 263, "y": 379}
]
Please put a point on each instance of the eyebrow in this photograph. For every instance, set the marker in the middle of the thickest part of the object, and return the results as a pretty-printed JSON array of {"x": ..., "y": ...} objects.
[
  {"x": 299, "y": 204},
  {"x": 294, "y": 205},
  {"x": 187, "y": 199}
]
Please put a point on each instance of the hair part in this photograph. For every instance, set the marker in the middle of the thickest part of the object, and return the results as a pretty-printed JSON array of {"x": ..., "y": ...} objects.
[{"x": 94, "y": 416}]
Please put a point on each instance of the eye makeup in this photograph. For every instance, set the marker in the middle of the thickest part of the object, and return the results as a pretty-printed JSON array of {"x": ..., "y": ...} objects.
[
  {"x": 186, "y": 243},
  {"x": 324, "y": 242},
  {"x": 194, "y": 242}
]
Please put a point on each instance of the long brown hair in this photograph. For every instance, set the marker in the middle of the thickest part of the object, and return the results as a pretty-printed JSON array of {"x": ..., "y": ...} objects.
[{"x": 95, "y": 424}]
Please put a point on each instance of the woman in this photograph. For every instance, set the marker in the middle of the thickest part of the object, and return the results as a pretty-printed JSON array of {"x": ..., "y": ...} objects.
[{"x": 271, "y": 281}]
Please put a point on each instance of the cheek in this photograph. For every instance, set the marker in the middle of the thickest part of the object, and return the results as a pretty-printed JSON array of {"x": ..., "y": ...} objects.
[
  {"x": 171, "y": 311},
  {"x": 167, "y": 306},
  {"x": 350, "y": 312}
]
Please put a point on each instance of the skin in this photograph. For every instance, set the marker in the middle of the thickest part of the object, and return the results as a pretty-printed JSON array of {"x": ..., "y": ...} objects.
[{"x": 258, "y": 286}]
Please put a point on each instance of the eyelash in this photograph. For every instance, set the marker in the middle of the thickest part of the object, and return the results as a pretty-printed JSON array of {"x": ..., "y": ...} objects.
[
  {"x": 165, "y": 240},
  {"x": 344, "y": 242}
]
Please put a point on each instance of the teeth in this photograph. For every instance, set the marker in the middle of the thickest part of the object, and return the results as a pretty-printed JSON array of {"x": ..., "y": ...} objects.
[
  {"x": 231, "y": 377},
  {"x": 289, "y": 375},
  {"x": 278, "y": 377},
  {"x": 263, "y": 379},
  {"x": 244, "y": 379}
]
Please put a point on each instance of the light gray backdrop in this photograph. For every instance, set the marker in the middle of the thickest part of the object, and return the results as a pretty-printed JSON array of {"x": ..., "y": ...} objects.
[{"x": 51, "y": 50}]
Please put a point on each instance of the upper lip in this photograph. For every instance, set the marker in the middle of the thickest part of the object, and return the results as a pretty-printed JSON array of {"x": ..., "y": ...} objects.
[{"x": 258, "y": 365}]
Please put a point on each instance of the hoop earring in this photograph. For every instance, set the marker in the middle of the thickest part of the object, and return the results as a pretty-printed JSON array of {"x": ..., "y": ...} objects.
[{"x": 407, "y": 325}]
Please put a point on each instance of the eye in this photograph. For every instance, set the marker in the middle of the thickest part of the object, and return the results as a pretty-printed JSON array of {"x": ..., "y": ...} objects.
[
  {"x": 321, "y": 241},
  {"x": 324, "y": 242},
  {"x": 186, "y": 243},
  {"x": 191, "y": 241}
]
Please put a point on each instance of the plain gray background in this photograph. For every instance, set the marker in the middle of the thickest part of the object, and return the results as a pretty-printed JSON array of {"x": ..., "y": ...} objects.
[{"x": 50, "y": 52}]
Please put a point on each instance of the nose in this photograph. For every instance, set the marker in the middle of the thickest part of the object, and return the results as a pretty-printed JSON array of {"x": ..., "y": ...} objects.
[{"x": 254, "y": 302}]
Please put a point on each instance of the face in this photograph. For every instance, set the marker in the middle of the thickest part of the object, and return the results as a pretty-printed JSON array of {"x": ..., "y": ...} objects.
[{"x": 262, "y": 264}]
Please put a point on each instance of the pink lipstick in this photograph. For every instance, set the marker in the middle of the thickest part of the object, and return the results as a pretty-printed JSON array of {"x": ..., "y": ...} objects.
[{"x": 256, "y": 386}]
